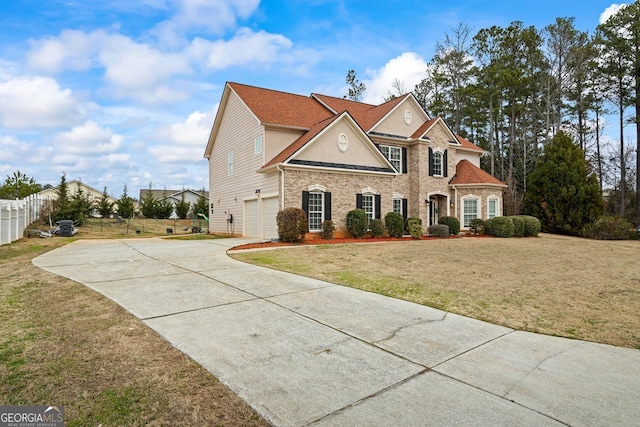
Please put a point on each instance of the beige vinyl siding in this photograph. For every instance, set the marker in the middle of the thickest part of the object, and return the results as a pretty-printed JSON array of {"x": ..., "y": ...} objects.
[{"x": 237, "y": 132}]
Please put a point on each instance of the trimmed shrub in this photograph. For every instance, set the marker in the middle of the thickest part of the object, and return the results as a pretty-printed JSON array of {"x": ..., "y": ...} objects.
[
  {"x": 502, "y": 226},
  {"x": 477, "y": 226},
  {"x": 357, "y": 223},
  {"x": 609, "y": 228},
  {"x": 531, "y": 226},
  {"x": 394, "y": 223},
  {"x": 452, "y": 222},
  {"x": 439, "y": 230},
  {"x": 415, "y": 229},
  {"x": 292, "y": 224},
  {"x": 327, "y": 229},
  {"x": 488, "y": 227},
  {"x": 376, "y": 227},
  {"x": 518, "y": 226},
  {"x": 407, "y": 222}
]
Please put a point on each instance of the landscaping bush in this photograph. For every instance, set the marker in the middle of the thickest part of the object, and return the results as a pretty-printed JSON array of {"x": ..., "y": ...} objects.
[
  {"x": 407, "y": 222},
  {"x": 477, "y": 226},
  {"x": 609, "y": 228},
  {"x": 502, "y": 226},
  {"x": 327, "y": 229},
  {"x": 518, "y": 226},
  {"x": 292, "y": 224},
  {"x": 531, "y": 225},
  {"x": 439, "y": 230},
  {"x": 357, "y": 223},
  {"x": 394, "y": 223},
  {"x": 452, "y": 222},
  {"x": 415, "y": 229},
  {"x": 376, "y": 227},
  {"x": 488, "y": 227}
]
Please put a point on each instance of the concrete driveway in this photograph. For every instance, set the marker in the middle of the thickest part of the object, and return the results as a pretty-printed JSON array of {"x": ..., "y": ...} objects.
[{"x": 306, "y": 352}]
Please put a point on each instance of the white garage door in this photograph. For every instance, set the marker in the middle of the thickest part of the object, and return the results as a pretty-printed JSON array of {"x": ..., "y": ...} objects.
[
  {"x": 251, "y": 219},
  {"x": 269, "y": 212}
]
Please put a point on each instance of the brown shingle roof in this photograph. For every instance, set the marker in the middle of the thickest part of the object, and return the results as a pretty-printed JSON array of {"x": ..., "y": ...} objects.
[
  {"x": 468, "y": 144},
  {"x": 281, "y": 108},
  {"x": 468, "y": 173},
  {"x": 366, "y": 115}
]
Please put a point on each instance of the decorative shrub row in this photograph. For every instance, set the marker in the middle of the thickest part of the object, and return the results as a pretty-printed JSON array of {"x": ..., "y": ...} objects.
[
  {"x": 292, "y": 224},
  {"x": 439, "y": 230},
  {"x": 452, "y": 222},
  {"x": 509, "y": 226},
  {"x": 357, "y": 223},
  {"x": 394, "y": 223}
]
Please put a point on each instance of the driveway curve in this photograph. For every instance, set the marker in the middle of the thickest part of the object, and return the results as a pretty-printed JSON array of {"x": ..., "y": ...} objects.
[{"x": 306, "y": 352}]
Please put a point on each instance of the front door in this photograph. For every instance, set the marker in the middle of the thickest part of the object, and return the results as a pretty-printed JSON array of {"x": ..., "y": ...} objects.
[{"x": 433, "y": 210}]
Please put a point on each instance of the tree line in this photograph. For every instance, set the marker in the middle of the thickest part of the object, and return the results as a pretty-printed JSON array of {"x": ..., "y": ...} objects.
[
  {"x": 78, "y": 205},
  {"x": 512, "y": 89}
]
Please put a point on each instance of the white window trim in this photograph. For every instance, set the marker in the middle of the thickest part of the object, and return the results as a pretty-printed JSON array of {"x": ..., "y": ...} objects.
[
  {"x": 387, "y": 154},
  {"x": 373, "y": 204},
  {"x": 393, "y": 202},
  {"x": 497, "y": 200},
  {"x": 478, "y": 201},
  {"x": 322, "y": 213},
  {"x": 230, "y": 163},
  {"x": 440, "y": 152},
  {"x": 258, "y": 144}
]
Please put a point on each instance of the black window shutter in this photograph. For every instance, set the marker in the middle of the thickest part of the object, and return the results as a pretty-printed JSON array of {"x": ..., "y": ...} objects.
[
  {"x": 378, "y": 202},
  {"x": 404, "y": 208},
  {"x": 404, "y": 160},
  {"x": 327, "y": 206},
  {"x": 445, "y": 163},
  {"x": 358, "y": 201},
  {"x": 305, "y": 202},
  {"x": 430, "y": 161}
]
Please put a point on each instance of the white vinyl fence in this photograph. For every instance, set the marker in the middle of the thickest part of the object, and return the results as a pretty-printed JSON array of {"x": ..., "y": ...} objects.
[{"x": 16, "y": 216}]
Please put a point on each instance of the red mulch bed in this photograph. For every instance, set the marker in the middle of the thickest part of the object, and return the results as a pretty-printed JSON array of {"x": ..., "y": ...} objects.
[{"x": 340, "y": 241}]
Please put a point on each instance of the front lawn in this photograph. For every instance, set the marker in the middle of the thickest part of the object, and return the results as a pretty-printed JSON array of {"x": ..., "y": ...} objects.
[{"x": 555, "y": 285}]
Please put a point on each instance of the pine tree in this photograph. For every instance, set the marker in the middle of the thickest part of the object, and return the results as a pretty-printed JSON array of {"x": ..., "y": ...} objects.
[
  {"x": 104, "y": 205},
  {"x": 562, "y": 194},
  {"x": 126, "y": 206}
]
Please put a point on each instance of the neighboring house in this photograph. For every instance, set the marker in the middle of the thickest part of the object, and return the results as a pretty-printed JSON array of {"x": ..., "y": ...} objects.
[
  {"x": 72, "y": 188},
  {"x": 269, "y": 150},
  {"x": 175, "y": 196}
]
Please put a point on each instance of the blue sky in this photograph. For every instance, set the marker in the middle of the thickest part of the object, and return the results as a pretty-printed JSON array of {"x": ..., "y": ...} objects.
[{"x": 117, "y": 92}]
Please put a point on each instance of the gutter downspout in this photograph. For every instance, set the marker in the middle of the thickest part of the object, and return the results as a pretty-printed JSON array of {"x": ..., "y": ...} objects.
[
  {"x": 455, "y": 201},
  {"x": 279, "y": 168}
]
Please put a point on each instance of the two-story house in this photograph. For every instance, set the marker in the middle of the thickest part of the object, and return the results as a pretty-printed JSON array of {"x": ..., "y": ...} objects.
[{"x": 269, "y": 150}]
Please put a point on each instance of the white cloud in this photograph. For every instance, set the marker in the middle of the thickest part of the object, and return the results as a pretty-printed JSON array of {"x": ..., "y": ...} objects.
[
  {"x": 72, "y": 50},
  {"x": 37, "y": 102},
  {"x": 184, "y": 141},
  {"x": 610, "y": 11},
  {"x": 244, "y": 48},
  {"x": 87, "y": 139},
  {"x": 212, "y": 16},
  {"x": 409, "y": 68}
]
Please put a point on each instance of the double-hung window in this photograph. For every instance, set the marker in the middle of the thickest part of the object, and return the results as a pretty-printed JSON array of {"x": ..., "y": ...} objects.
[
  {"x": 397, "y": 206},
  {"x": 437, "y": 164},
  {"x": 492, "y": 208},
  {"x": 470, "y": 211},
  {"x": 316, "y": 211},
  {"x": 368, "y": 205},
  {"x": 394, "y": 155},
  {"x": 230, "y": 162}
]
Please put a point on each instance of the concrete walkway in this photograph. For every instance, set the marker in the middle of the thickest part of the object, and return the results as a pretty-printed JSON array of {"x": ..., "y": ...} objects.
[{"x": 306, "y": 352}]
